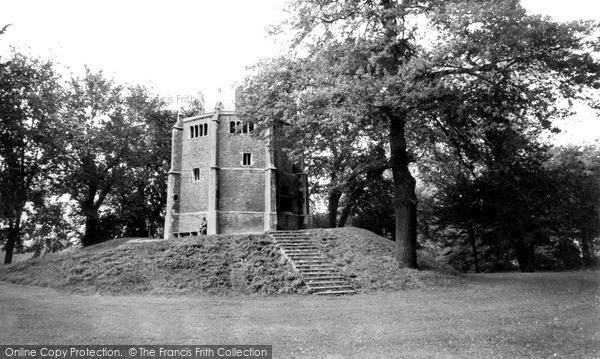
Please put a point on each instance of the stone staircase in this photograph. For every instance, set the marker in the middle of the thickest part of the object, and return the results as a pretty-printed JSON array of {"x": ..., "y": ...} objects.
[{"x": 317, "y": 272}]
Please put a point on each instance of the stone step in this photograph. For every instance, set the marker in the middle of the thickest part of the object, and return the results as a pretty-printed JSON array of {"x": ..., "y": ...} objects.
[
  {"x": 314, "y": 269},
  {"x": 320, "y": 272},
  {"x": 321, "y": 278},
  {"x": 336, "y": 292},
  {"x": 307, "y": 259},
  {"x": 299, "y": 262},
  {"x": 306, "y": 255},
  {"x": 314, "y": 265},
  {"x": 298, "y": 246},
  {"x": 330, "y": 287},
  {"x": 326, "y": 276},
  {"x": 311, "y": 282},
  {"x": 302, "y": 252},
  {"x": 328, "y": 283},
  {"x": 296, "y": 240},
  {"x": 299, "y": 250},
  {"x": 292, "y": 237}
]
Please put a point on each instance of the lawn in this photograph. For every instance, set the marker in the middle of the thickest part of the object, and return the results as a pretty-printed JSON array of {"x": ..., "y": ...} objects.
[{"x": 513, "y": 315}]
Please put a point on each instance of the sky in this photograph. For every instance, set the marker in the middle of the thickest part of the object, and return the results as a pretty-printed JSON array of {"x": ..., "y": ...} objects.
[{"x": 182, "y": 47}]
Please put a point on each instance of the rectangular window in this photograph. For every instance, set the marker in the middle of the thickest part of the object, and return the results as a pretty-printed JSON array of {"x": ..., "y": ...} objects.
[
  {"x": 196, "y": 174},
  {"x": 247, "y": 159}
]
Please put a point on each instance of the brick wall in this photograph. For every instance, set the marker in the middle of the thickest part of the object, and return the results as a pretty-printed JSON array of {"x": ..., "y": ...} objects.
[
  {"x": 240, "y": 223},
  {"x": 232, "y": 145},
  {"x": 195, "y": 154},
  {"x": 242, "y": 190}
]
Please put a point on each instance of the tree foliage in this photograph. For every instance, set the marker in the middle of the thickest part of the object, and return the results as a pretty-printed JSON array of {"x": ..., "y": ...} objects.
[
  {"x": 116, "y": 145},
  {"x": 30, "y": 97},
  {"x": 444, "y": 72}
]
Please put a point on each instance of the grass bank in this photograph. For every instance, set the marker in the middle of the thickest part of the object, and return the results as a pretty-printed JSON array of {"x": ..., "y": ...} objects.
[
  {"x": 221, "y": 264},
  {"x": 368, "y": 260}
]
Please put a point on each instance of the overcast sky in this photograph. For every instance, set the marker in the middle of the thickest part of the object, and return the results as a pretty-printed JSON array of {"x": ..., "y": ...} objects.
[{"x": 178, "y": 47}]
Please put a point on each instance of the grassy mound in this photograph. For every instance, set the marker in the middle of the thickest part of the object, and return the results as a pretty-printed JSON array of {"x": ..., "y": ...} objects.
[
  {"x": 213, "y": 264},
  {"x": 223, "y": 264},
  {"x": 368, "y": 260}
]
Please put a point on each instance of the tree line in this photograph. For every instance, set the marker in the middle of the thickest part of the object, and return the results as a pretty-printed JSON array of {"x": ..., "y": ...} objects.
[{"x": 82, "y": 157}]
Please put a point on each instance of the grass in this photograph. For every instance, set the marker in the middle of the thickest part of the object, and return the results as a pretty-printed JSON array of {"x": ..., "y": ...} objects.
[
  {"x": 443, "y": 315},
  {"x": 368, "y": 259},
  {"x": 509, "y": 315},
  {"x": 223, "y": 264},
  {"x": 228, "y": 264}
]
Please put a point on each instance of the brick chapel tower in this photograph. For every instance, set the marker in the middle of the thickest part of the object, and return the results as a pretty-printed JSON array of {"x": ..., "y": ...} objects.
[{"x": 238, "y": 182}]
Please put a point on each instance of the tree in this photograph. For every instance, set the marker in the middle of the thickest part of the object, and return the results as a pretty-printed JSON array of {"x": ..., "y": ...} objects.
[
  {"x": 577, "y": 171},
  {"x": 337, "y": 153},
  {"x": 50, "y": 227},
  {"x": 101, "y": 141},
  {"x": 30, "y": 128},
  {"x": 194, "y": 106},
  {"x": 415, "y": 66},
  {"x": 139, "y": 200}
]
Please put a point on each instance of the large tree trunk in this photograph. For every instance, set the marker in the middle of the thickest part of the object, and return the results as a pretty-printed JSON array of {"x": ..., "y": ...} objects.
[
  {"x": 405, "y": 198},
  {"x": 14, "y": 236},
  {"x": 93, "y": 232},
  {"x": 345, "y": 214},
  {"x": 473, "y": 242},
  {"x": 332, "y": 207},
  {"x": 587, "y": 251}
]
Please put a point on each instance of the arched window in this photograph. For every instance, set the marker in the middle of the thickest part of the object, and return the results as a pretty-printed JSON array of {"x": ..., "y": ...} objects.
[
  {"x": 238, "y": 127},
  {"x": 231, "y": 127},
  {"x": 206, "y": 129},
  {"x": 250, "y": 127},
  {"x": 245, "y": 128},
  {"x": 201, "y": 131},
  {"x": 196, "y": 131},
  {"x": 191, "y": 131}
]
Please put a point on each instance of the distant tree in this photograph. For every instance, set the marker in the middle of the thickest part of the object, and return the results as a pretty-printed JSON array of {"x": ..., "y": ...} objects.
[
  {"x": 50, "y": 227},
  {"x": 194, "y": 106},
  {"x": 577, "y": 172},
  {"x": 4, "y": 28},
  {"x": 140, "y": 199},
  {"x": 30, "y": 137}
]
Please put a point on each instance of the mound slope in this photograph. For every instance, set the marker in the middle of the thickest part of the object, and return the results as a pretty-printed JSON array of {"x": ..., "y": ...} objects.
[
  {"x": 368, "y": 260},
  {"x": 223, "y": 264},
  {"x": 213, "y": 264}
]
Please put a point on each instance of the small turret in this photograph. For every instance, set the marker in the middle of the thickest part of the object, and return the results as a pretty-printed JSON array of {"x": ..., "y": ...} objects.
[{"x": 174, "y": 178}]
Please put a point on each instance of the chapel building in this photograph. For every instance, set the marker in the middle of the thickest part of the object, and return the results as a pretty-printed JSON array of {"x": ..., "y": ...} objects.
[{"x": 233, "y": 178}]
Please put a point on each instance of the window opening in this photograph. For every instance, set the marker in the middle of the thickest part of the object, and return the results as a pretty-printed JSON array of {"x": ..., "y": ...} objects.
[{"x": 247, "y": 159}]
